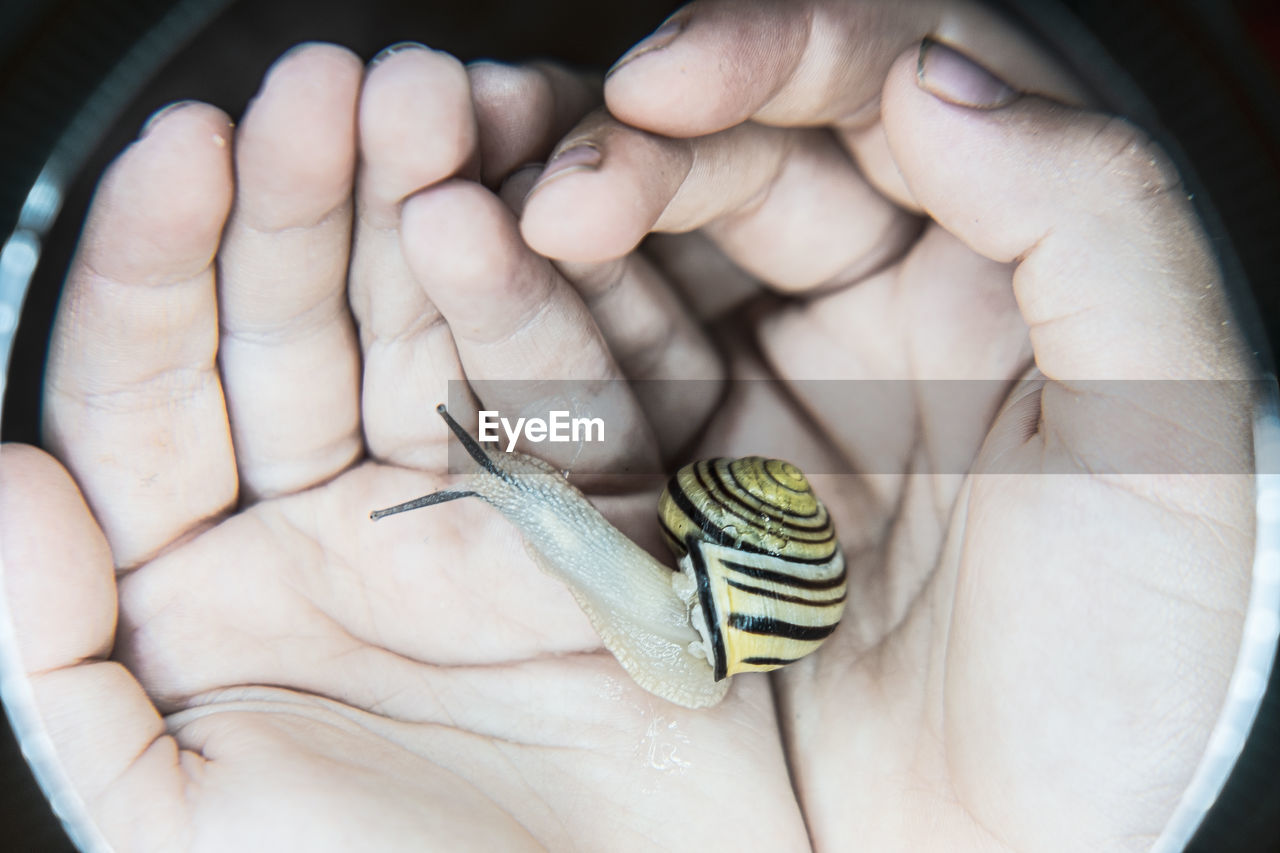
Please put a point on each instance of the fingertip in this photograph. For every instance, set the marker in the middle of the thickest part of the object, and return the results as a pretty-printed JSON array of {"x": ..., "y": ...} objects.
[
  {"x": 508, "y": 311},
  {"x": 1115, "y": 277},
  {"x": 183, "y": 155},
  {"x": 161, "y": 114},
  {"x": 950, "y": 75},
  {"x": 1003, "y": 173},
  {"x": 571, "y": 212},
  {"x": 459, "y": 233},
  {"x": 577, "y": 217},
  {"x": 313, "y": 54},
  {"x": 173, "y": 188},
  {"x": 602, "y": 191},
  {"x": 295, "y": 148},
  {"x": 952, "y": 174},
  {"x": 660, "y": 38},
  {"x": 182, "y": 119},
  {"x": 416, "y": 121},
  {"x": 187, "y": 134},
  {"x": 710, "y": 66}
]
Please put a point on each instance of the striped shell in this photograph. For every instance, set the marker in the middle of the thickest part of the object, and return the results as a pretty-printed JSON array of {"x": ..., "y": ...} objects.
[{"x": 761, "y": 569}]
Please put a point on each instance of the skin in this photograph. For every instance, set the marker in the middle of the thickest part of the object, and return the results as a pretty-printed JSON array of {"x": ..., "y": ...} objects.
[{"x": 228, "y": 655}]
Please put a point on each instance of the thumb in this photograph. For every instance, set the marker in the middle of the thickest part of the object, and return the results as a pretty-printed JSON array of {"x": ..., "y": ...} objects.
[
  {"x": 94, "y": 738},
  {"x": 1116, "y": 279}
]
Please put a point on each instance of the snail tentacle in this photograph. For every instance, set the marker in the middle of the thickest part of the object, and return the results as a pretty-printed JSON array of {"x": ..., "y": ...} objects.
[
  {"x": 474, "y": 450},
  {"x": 418, "y": 503},
  {"x": 469, "y": 444}
]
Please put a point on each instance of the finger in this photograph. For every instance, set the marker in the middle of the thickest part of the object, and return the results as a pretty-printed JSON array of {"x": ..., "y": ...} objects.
[
  {"x": 652, "y": 334},
  {"x": 1116, "y": 281},
  {"x": 59, "y": 588},
  {"x": 1089, "y": 207},
  {"x": 512, "y": 316},
  {"x": 788, "y": 206},
  {"x": 416, "y": 128},
  {"x": 290, "y": 363},
  {"x": 459, "y": 230},
  {"x": 522, "y": 111},
  {"x": 133, "y": 404},
  {"x": 819, "y": 62}
]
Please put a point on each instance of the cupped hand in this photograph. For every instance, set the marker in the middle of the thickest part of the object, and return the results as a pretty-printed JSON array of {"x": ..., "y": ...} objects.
[
  {"x": 1019, "y": 651},
  {"x": 1047, "y": 580},
  {"x": 225, "y": 651}
]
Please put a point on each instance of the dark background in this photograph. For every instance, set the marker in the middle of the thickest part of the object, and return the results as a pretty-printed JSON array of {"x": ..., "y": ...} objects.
[{"x": 1200, "y": 74}]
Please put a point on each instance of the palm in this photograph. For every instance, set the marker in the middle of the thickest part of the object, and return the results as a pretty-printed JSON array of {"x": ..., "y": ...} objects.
[
  {"x": 972, "y": 582},
  {"x": 417, "y": 674}
]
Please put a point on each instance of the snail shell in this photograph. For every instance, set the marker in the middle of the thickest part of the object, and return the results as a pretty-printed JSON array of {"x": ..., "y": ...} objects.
[
  {"x": 761, "y": 570},
  {"x": 761, "y": 580}
]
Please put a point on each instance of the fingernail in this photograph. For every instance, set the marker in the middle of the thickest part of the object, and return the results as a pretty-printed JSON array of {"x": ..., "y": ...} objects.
[
  {"x": 658, "y": 39},
  {"x": 161, "y": 114},
  {"x": 391, "y": 50},
  {"x": 578, "y": 157},
  {"x": 957, "y": 79}
]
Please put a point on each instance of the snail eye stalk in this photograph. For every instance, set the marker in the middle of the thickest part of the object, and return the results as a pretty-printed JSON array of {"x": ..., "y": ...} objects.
[{"x": 418, "y": 503}]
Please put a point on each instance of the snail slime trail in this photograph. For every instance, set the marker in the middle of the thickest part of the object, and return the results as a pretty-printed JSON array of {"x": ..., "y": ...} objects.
[{"x": 761, "y": 580}]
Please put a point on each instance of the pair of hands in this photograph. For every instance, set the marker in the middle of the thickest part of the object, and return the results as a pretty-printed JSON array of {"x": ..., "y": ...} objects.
[{"x": 260, "y": 319}]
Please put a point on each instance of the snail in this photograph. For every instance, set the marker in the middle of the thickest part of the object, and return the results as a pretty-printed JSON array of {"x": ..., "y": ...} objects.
[{"x": 761, "y": 580}]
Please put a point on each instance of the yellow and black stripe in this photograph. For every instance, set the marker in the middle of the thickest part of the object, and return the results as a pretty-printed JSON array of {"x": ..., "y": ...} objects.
[{"x": 763, "y": 552}]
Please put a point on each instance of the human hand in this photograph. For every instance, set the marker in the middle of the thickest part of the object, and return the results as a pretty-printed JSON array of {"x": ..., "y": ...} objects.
[
  {"x": 226, "y": 653},
  {"x": 1030, "y": 659}
]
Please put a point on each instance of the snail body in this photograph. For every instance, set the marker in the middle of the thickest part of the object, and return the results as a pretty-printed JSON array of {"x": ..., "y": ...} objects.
[{"x": 761, "y": 580}]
